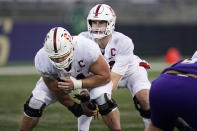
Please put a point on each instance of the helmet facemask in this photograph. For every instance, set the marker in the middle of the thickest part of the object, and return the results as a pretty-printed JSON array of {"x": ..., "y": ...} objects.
[
  {"x": 98, "y": 33},
  {"x": 65, "y": 63}
]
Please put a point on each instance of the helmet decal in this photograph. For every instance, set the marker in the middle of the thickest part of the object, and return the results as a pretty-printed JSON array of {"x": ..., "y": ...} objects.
[{"x": 67, "y": 37}]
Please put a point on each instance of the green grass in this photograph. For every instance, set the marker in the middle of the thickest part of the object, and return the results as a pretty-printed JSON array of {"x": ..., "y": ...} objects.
[{"x": 14, "y": 90}]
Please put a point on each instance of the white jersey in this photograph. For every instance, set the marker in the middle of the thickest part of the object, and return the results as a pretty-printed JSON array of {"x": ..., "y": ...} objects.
[
  {"x": 83, "y": 58},
  {"x": 85, "y": 54},
  {"x": 119, "y": 54},
  {"x": 194, "y": 55}
]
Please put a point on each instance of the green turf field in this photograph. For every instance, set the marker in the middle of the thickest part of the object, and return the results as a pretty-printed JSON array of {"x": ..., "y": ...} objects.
[{"x": 15, "y": 89}]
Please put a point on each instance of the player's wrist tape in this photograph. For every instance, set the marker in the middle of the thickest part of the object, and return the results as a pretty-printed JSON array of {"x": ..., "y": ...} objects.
[{"x": 77, "y": 83}]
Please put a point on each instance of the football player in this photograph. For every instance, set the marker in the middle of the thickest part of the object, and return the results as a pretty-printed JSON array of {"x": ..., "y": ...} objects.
[
  {"x": 67, "y": 64},
  {"x": 127, "y": 69},
  {"x": 173, "y": 96}
]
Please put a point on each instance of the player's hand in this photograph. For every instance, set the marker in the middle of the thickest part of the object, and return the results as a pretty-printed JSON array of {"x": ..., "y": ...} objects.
[
  {"x": 65, "y": 84},
  {"x": 89, "y": 108},
  {"x": 89, "y": 112}
]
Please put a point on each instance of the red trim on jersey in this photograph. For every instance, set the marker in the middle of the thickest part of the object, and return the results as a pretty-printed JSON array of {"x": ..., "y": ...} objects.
[
  {"x": 97, "y": 10},
  {"x": 145, "y": 65},
  {"x": 54, "y": 40}
]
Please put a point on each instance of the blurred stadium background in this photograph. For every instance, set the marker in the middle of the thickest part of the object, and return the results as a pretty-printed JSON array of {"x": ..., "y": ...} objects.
[{"x": 154, "y": 26}]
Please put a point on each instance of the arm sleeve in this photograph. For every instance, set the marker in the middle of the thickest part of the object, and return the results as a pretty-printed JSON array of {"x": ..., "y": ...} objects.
[{"x": 123, "y": 57}]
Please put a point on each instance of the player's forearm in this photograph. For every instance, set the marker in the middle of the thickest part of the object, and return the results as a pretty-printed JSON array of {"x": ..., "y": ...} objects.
[
  {"x": 51, "y": 83},
  {"x": 61, "y": 95},
  {"x": 115, "y": 84},
  {"x": 95, "y": 81},
  {"x": 115, "y": 79}
]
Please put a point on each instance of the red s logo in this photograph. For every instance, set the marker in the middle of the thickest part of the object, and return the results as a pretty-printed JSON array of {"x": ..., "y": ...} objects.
[{"x": 67, "y": 37}]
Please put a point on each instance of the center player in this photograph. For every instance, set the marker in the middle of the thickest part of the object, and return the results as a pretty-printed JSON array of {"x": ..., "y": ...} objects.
[
  {"x": 127, "y": 69},
  {"x": 66, "y": 64}
]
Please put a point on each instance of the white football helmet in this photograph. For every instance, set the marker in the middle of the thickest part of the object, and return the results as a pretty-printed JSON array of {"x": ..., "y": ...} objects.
[
  {"x": 58, "y": 43},
  {"x": 102, "y": 12}
]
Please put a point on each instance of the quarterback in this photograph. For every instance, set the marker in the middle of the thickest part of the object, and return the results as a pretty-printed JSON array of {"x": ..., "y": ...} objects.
[
  {"x": 65, "y": 66},
  {"x": 127, "y": 69}
]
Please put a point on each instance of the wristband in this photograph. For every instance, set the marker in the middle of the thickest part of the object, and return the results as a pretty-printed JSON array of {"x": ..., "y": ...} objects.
[{"x": 77, "y": 83}]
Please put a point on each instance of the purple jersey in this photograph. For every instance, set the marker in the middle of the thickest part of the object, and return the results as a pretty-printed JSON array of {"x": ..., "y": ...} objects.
[
  {"x": 173, "y": 96},
  {"x": 185, "y": 66}
]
